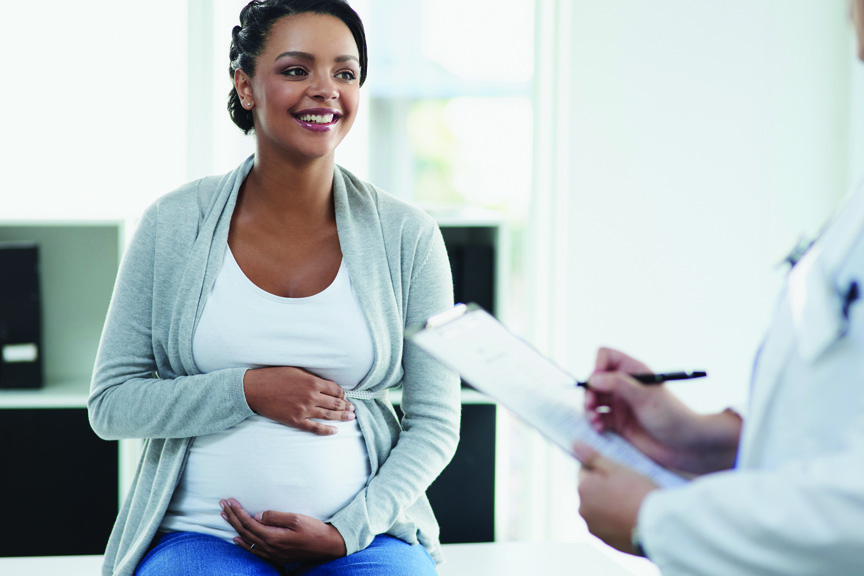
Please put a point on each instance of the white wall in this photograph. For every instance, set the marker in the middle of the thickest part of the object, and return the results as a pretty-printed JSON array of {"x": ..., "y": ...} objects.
[
  {"x": 856, "y": 150},
  {"x": 705, "y": 137},
  {"x": 94, "y": 105},
  {"x": 682, "y": 148}
]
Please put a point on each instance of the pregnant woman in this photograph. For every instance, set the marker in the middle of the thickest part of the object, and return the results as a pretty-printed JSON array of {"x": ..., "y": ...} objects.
[{"x": 256, "y": 326}]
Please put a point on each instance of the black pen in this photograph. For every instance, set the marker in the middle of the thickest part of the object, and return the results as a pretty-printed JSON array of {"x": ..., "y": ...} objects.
[{"x": 653, "y": 379}]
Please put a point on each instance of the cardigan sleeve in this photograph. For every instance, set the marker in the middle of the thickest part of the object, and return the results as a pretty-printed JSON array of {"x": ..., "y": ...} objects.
[
  {"x": 128, "y": 399},
  {"x": 431, "y": 408}
]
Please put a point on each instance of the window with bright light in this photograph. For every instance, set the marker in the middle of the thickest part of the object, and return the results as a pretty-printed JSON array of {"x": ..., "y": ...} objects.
[{"x": 449, "y": 89}]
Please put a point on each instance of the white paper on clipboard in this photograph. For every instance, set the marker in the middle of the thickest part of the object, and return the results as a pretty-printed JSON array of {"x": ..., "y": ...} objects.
[{"x": 496, "y": 362}]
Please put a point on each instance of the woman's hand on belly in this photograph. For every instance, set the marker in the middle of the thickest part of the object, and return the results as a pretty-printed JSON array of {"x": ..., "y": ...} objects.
[
  {"x": 282, "y": 536},
  {"x": 293, "y": 396}
]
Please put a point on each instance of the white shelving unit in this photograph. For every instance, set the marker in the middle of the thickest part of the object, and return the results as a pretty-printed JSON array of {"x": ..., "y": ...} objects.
[
  {"x": 66, "y": 394},
  {"x": 78, "y": 263},
  {"x": 47, "y": 439}
]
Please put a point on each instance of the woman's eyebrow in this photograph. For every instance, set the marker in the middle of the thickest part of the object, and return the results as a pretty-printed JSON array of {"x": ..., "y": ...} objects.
[
  {"x": 311, "y": 58},
  {"x": 347, "y": 58},
  {"x": 296, "y": 54}
]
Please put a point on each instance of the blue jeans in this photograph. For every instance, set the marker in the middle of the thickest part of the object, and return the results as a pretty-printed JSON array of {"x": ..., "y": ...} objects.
[{"x": 185, "y": 553}]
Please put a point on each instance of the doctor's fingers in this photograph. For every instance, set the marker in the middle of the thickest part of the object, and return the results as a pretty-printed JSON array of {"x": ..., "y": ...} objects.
[
  {"x": 611, "y": 360},
  {"x": 608, "y": 388},
  {"x": 593, "y": 462},
  {"x": 597, "y": 409},
  {"x": 586, "y": 455}
]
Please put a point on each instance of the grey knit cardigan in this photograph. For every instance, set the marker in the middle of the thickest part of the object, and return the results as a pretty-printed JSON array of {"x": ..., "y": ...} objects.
[{"x": 146, "y": 384}]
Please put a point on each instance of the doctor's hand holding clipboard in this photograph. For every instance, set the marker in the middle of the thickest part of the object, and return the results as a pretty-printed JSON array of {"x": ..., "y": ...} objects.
[{"x": 656, "y": 422}]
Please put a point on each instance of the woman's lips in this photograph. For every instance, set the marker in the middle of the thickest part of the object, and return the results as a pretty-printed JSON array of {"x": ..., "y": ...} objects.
[{"x": 317, "y": 120}]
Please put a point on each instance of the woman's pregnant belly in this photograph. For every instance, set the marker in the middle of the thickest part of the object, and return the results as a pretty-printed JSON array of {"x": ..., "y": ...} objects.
[{"x": 265, "y": 465}]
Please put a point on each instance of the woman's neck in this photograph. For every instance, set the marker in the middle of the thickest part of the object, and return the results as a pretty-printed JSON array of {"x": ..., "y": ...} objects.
[{"x": 290, "y": 190}]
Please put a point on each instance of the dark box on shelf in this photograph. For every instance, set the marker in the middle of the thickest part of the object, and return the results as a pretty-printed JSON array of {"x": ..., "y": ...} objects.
[
  {"x": 20, "y": 316},
  {"x": 473, "y": 269}
]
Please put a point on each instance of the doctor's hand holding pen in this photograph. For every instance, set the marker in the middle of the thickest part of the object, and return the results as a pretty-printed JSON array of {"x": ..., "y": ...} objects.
[{"x": 656, "y": 422}]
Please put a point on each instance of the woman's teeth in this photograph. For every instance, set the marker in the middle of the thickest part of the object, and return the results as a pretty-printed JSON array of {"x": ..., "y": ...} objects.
[{"x": 317, "y": 119}]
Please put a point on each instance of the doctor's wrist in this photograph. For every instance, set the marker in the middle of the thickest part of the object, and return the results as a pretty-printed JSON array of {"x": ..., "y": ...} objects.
[
  {"x": 717, "y": 443},
  {"x": 727, "y": 430}
]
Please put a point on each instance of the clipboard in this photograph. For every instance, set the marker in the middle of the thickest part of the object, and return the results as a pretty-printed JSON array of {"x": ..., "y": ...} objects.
[{"x": 507, "y": 369}]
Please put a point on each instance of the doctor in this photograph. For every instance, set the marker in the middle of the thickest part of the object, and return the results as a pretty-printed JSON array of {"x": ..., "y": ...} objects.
[{"x": 782, "y": 494}]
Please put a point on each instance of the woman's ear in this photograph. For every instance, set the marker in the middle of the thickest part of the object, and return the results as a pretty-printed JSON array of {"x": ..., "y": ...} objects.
[{"x": 243, "y": 85}]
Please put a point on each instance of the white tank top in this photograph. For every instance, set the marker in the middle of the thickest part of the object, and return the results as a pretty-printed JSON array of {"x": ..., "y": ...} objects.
[{"x": 261, "y": 463}]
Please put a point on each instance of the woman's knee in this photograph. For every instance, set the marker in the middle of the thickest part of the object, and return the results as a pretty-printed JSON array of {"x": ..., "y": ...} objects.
[{"x": 386, "y": 556}]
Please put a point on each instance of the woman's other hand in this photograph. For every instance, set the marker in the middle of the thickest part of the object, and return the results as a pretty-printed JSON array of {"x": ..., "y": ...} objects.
[
  {"x": 655, "y": 421},
  {"x": 282, "y": 536},
  {"x": 294, "y": 397}
]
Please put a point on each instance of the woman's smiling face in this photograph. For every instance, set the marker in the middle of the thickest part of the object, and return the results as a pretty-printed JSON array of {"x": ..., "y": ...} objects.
[{"x": 306, "y": 88}]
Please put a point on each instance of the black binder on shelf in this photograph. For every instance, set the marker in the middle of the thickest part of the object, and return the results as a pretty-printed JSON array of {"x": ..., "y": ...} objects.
[
  {"x": 20, "y": 316},
  {"x": 473, "y": 269}
]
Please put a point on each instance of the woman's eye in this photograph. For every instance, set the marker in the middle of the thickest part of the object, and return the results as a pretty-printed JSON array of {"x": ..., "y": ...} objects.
[
  {"x": 294, "y": 72},
  {"x": 346, "y": 75}
]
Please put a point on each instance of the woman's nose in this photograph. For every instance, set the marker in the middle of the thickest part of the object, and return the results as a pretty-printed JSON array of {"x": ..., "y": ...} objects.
[{"x": 323, "y": 88}]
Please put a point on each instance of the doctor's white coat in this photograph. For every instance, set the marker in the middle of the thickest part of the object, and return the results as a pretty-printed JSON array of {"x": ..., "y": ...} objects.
[{"x": 794, "y": 505}]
